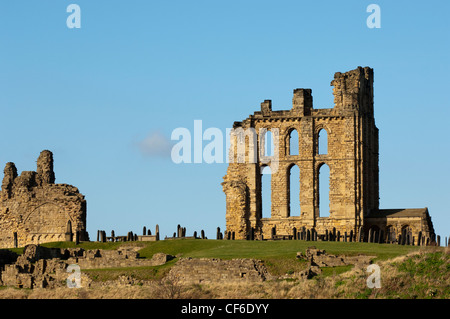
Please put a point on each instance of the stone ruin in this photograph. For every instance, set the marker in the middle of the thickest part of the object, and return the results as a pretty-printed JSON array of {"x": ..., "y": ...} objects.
[
  {"x": 215, "y": 270},
  {"x": 350, "y": 151},
  {"x": 318, "y": 258},
  {"x": 33, "y": 209},
  {"x": 41, "y": 267}
]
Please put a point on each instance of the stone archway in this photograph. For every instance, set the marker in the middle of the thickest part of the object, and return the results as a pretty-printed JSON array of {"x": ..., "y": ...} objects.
[{"x": 47, "y": 222}]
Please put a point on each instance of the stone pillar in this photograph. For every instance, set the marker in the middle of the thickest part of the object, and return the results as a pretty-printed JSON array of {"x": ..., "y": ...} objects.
[
  {"x": 157, "y": 232},
  {"x": 16, "y": 244},
  {"x": 302, "y": 102},
  {"x": 69, "y": 234},
  {"x": 360, "y": 235},
  {"x": 218, "y": 233},
  {"x": 45, "y": 167},
  {"x": 10, "y": 173}
]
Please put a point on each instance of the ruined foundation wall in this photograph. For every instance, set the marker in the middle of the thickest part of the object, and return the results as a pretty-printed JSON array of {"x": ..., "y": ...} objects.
[{"x": 205, "y": 270}]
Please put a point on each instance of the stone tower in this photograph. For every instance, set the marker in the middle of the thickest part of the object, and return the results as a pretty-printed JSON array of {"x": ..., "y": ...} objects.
[
  {"x": 45, "y": 167},
  {"x": 351, "y": 156},
  {"x": 34, "y": 210}
]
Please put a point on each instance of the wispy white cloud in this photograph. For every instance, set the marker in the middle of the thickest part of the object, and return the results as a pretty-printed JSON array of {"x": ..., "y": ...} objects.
[{"x": 155, "y": 145}]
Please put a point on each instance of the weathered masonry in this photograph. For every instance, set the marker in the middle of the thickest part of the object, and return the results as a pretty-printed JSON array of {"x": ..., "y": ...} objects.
[
  {"x": 350, "y": 152},
  {"x": 35, "y": 210}
]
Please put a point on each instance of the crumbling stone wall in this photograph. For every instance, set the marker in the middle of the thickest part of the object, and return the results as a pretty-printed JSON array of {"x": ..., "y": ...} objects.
[
  {"x": 33, "y": 209},
  {"x": 207, "y": 270},
  {"x": 352, "y": 156},
  {"x": 352, "y": 137},
  {"x": 43, "y": 267}
]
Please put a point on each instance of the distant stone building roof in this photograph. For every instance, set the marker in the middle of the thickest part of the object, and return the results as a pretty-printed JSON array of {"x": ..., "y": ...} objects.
[{"x": 401, "y": 212}]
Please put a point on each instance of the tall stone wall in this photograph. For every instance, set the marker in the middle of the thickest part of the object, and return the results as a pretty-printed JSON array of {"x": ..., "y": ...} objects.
[
  {"x": 352, "y": 136},
  {"x": 33, "y": 209},
  {"x": 351, "y": 155}
]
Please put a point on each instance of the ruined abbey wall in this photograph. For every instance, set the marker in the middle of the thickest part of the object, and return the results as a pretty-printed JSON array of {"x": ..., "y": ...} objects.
[
  {"x": 34, "y": 210},
  {"x": 351, "y": 155}
]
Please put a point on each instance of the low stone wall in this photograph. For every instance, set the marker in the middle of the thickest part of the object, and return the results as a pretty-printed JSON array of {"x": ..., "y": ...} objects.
[
  {"x": 47, "y": 267},
  {"x": 116, "y": 259},
  {"x": 207, "y": 270}
]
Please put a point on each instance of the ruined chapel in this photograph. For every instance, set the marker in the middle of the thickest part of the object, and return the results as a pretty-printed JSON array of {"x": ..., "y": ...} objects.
[
  {"x": 35, "y": 210},
  {"x": 350, "y": 154}
]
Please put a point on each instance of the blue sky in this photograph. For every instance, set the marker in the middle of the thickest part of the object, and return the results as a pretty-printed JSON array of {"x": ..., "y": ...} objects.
[{"x": 105, "y": 98}]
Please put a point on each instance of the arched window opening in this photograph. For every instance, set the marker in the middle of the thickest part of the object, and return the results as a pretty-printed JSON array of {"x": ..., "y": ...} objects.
[
  {"x": 406, "y": 234},
  {"x": 324, "y": 191},
  {"x": 294, "y": 190},
  {"x": 293, "y": 142},
  {"x": 266, "y": 192},
  {"x": 390, "y": 234},
  {"x": 269, "y": 147},
  {"x": 323, "y": 142},
  {"x": 374, "y": 234}
]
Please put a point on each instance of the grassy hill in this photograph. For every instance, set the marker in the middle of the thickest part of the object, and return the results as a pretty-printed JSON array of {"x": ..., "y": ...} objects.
[
  {"x": 281, "y": 249},
  {"x": 228, "y": 249},
  {"x": 406, "y": 272}
]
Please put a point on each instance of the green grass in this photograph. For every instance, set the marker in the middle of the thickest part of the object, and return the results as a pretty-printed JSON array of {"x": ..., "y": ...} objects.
[
  {"x": 333, "y": 271},
  {"x": 89, "y": 245},
  {"x": 226, "y": 249},
  {"x": 279, "y": 256},
  {"x": 138, "y": 273},
  {"x": 229, "y": 249},
  {"x": 430, "y": 266}
]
